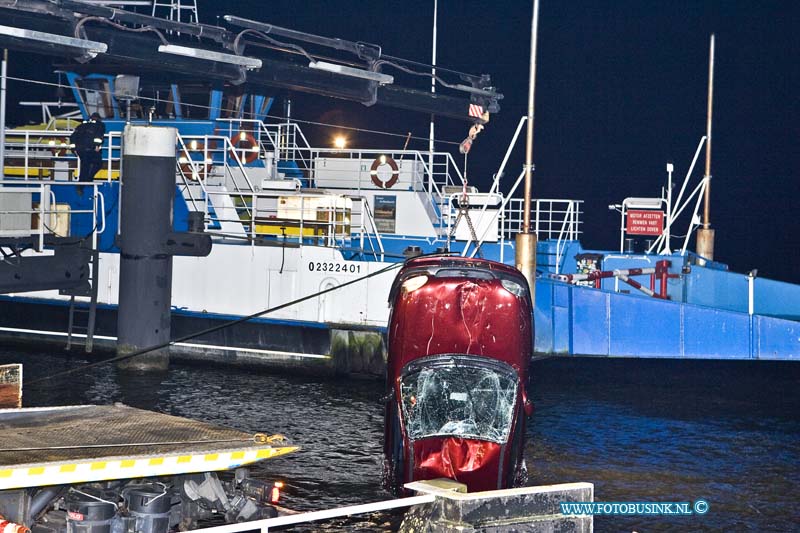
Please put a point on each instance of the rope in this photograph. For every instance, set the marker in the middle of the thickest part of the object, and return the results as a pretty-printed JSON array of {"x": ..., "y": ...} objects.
[{"x": 213, "y": 328}]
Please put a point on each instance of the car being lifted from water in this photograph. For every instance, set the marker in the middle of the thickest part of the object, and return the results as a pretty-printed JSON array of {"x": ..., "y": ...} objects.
[{"x": 460, "y": 342}]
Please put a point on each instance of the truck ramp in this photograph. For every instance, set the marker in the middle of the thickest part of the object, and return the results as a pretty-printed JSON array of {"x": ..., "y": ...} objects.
[{"x": 81, "y": 444}]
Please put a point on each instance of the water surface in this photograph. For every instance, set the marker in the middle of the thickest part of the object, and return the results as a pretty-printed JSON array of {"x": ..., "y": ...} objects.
[{"x": 640, "y": 430}]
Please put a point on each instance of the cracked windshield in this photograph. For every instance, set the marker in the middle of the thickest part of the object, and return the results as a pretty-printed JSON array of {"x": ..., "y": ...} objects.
[{"x": 461, "y": 401}]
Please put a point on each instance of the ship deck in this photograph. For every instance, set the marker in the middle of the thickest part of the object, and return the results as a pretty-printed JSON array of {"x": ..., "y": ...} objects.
[{"x": 79, "y": 444}]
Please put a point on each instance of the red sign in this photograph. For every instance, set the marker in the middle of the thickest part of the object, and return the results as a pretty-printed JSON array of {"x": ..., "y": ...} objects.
[{"x": 644, "y": 222}]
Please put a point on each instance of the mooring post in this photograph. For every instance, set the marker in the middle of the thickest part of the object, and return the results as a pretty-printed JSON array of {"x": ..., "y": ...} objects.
[{"x": 145, "y": 274}]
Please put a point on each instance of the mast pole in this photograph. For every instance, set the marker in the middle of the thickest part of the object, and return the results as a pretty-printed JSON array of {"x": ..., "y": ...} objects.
[
  {"x": 433, "y": 91},
  {"x": 526, "y": 241},
  {"x": 705, "y": 235},
  {"x": 3, "y": 81}
]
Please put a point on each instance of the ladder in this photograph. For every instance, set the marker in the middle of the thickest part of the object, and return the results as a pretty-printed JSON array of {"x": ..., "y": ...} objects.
[
  {"x": 85, "y": 315},
  {"x": 176, "y": 10}
]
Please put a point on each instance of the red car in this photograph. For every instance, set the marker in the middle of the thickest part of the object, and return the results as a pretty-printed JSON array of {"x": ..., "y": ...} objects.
[{"x": 460, "y": 342}]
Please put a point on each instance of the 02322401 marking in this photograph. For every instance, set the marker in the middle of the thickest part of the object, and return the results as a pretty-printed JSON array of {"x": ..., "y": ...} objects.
[{"x": 331, "y": 266}]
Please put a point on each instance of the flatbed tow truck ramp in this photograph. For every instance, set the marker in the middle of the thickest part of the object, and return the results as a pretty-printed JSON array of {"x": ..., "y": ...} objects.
[{"x": 79, "y": 457}]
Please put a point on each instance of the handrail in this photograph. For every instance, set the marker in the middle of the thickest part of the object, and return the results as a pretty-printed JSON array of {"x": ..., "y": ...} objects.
[
  {"x": 45, "y": 190},
  {"x": 265, "y": 524},
  {"x": 500, "y": 211},
  {"x": 101, "y": 199},
  {"x": 377, "y": 233},
  {"x": 560, "y": 241}
]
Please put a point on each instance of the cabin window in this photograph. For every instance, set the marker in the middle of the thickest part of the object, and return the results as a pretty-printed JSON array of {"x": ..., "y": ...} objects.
[
  {"x": 96, "y": 96},
  {"x": 460, "y": 401}
]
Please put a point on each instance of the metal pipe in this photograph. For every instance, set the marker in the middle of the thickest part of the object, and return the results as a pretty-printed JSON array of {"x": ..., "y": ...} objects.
[
  {"x": 526, "y": 242},
  {"x": 3, "y": 80},
  {"x": 705, "y": 235},
  {"x": 526, "y": 221},
  {"x": 707, "y": 198},
  {"x": 433, "y": 91},
  {"x": 667, "y": 248},
  {"x": 44, "y": 498}
]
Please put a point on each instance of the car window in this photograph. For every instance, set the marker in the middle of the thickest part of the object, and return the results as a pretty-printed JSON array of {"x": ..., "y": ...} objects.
[{"x": 459, "y": 400}]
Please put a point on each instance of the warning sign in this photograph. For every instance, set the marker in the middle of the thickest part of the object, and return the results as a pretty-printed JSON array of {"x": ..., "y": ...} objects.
[{"x": 644, "y": 222}]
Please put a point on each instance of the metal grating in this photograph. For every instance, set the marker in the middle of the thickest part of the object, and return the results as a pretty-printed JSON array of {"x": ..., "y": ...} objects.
[{"x": 91, "y": 432}]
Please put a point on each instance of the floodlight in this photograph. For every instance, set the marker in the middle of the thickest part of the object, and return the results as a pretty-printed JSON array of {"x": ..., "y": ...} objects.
[
  {"x": 199, "y": 53},
  {"x": 643, "y": 203},
  {"x": 53, "y": 38},
  {"x": 383, "y": 79}
]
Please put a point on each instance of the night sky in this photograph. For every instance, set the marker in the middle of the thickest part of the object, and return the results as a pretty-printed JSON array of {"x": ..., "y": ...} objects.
[{"x": 621, "y": 90}]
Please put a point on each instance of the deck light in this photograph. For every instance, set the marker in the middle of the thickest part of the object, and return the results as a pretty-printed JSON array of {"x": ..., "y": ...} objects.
[
  {"x": 198, "y": 53},
  {"x": 383, "y": 79},
  {"x": 340, "y": 142},
  {"x": 642, "y": 203},
  {"x": 53, "y": 38}
]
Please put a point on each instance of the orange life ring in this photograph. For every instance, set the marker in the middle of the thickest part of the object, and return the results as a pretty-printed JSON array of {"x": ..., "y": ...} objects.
[
  {"x": 248, "y": 153},
  {"x": 58, "y": 147},
  {"x": 373, "y": 172},
  {"x": 203, "y": 168}
]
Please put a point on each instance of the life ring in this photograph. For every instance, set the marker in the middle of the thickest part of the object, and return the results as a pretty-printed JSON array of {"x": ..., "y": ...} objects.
[
  {"x": 58, "y": 147},
  {"x": 249, "y": 152},
  {"x": 373, "y": 172},
  {"x": 203, "y": 168}
]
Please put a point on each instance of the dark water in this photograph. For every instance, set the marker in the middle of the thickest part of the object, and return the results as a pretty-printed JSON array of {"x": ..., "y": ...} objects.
[{"x": 725, "y": 432}]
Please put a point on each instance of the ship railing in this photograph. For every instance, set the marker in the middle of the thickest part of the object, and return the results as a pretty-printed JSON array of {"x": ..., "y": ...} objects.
[
  {"x": 551, "y": 218},
  {"x": 47, "y": 154},
  {"x": 47, "y": 216},
  {"x": 321, "y": 220},
  {"x": 51, "y": 120},
  {"x": 352, "y": 169},
  {"x": 244, "y": 206},
  {"x": 274, "y": 143},
  {"x": 289, "y": 143},
  {"x": 437, "y": 174},
  {"x": 199, "y": 156},
  {"x": 238, "y": 129},
  {"x": 367, "y": 228}
]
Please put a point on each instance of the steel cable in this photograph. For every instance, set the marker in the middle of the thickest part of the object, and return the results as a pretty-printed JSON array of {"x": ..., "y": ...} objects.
[{"x": 213, "y": 328}]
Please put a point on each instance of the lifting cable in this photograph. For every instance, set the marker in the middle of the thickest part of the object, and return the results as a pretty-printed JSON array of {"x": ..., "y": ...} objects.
[{"x": 213, "y": 328}]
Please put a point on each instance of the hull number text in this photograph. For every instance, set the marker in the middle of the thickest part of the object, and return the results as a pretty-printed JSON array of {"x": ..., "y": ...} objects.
[{"x": 316, "y": 266}]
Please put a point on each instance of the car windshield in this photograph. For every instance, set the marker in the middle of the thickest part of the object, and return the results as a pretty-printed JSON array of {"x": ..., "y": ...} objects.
[{"x": 459, "y": 400}]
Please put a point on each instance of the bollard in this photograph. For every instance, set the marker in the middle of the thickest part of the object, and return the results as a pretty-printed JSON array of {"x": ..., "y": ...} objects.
[{"x": 145, "y": 276}]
